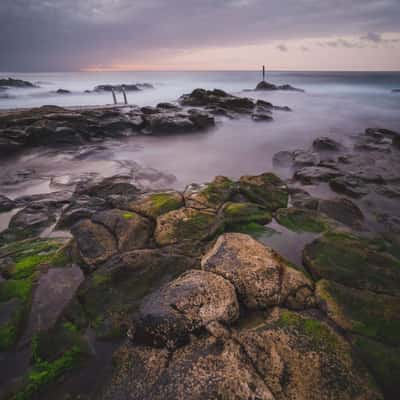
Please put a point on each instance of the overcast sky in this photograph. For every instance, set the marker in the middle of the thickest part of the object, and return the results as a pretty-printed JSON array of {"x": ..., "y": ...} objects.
[{"x": 68, "y": 35}]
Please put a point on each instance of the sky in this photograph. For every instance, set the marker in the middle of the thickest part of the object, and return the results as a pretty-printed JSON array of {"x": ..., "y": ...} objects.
[{"x": 95, "y": 35}]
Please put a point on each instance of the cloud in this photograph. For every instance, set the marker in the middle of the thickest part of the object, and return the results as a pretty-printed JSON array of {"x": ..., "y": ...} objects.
[
  {"x": 340, "y": 43},
  {"x": 64, "y": 35},
  {"x": 282, "y": 47}
]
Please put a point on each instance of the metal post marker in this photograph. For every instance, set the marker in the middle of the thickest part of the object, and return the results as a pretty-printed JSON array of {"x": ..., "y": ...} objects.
[
  {"x": 263, "y": 72},
  {"x": 124, "y": 93},
  {"x": 113, "y": 95}
]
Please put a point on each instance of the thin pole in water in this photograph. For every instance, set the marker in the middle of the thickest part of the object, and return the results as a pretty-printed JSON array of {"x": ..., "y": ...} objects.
[
  {"x": 263, "y": 72},
  {"x": 113, "y": 95},
  {"x": 124, "y": 93}
]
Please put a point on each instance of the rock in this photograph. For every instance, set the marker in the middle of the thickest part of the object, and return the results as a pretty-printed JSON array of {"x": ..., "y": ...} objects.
[
  {"x": 114, "y": 185},
  {"x": 346, "y": 259},
  {"x": 55, "y": 290},
  {"x": 283, "y": 159},
  {"x": 155, "y": 204},
  {"x": 95, "y": 243},
  {"x": 326, "y": 144},
  {"x": 130, "y": 229},
  {"x": 186, "y": 225},
  {"x": 6, "y": 204},
  {"x": 303, "y": 220},
  {"x": 378, "y": 133},
  {"x": 396, "y": 142},
  {"x": 396, "y": 90},
  {"x": 342, "y": 210},
  {"x": 206, "y": 369},
  {"x": 309, "y": 175},
  {"x": 168, "y": 123},
  {"x": 209, "y": 195},
  {"x": 201, "y": 119},
  {"x": 112, "y": 293},
  {"x": 261, "y": 278},
  {"x": 261, "y": 115},
  {"x": 16, "y": 83},
  {"x": 81, "y": 207},
  {"x": 303, "y": 158},
  {"x": 169, "y": 106},
  {"x": 300, "y": 198},
  {"x": 185, "y": 305},
  {"x": 349, "y": 185},
  {"x": 238, "y": 214},
  {"x": 63, "y": 91},
  {"x": 263, "y": 85},
  {"x": 301, "y": 357},
  {"x": 217, "y": 98},
  {"x": 376, "y": 316},
  {"x": 29, "y": 222},
  {"x": 52, "y": 199},
  {"x": 266, "y": 189}
]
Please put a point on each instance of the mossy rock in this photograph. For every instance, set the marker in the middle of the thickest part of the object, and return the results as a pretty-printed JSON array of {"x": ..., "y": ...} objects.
[
  {"x": 186, "y": 224},
  {"x": 113, "y": 292},
  {"x": 383, "y": 362},
  {"x": 362, "y": 312},
  {"x": 352, "y": 261},
  {"x": 237, "y": 215},
  {"x": 14, "y": 302},
  {"x": 23, "y": 258},
  {"x": 265, "y": 189},
  {"x": 302, "y": 220},
  {"x": 210, "y": 195},
  {"x": 300, "y": 356},
  {"x": 156, "y": 204}
]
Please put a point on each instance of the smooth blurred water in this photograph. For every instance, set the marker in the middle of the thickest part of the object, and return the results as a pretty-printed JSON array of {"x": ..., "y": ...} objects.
[{"x": 170, "y": 85}]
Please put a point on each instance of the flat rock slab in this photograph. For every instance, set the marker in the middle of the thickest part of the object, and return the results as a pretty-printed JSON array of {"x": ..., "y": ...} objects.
[{"x": 55, "y": 290}]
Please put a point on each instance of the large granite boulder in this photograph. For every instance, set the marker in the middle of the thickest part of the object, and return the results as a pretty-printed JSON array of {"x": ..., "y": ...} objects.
[{"x": 261, "y": 278}]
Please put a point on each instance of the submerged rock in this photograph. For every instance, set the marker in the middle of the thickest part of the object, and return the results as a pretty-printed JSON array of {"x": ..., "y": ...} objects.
[
  {"x": 16, "y": 83},
  {"x": 326, "y": 144}
]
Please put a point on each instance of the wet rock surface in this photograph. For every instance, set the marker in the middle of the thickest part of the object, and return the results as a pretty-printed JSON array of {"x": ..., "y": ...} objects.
[{"x": 263, "y": 85}]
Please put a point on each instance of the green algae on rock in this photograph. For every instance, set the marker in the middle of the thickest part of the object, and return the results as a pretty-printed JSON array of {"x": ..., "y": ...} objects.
[
  {"x": 155, "y": 204},
  {"x": 352, "y": 261},
  {"x": 303, "y": 220},
  {"x": 265, "y": 189},
  {"x": 237, "y": 215}
]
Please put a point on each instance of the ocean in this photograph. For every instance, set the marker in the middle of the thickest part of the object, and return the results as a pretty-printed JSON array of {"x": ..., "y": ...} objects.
[{"x": 335, "y": 104}]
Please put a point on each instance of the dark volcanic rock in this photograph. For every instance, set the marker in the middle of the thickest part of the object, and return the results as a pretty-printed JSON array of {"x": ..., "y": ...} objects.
[
  {"x": 16, "y": 83},
  {"x": 263, "y": 85},
  {"x": 326, "y": 144},
  {"x": 349, "y": 185},
  {"x": 6, "y": 204},
  {"x": 63, "y": 91},
  {"x": 217, "y": 98}
]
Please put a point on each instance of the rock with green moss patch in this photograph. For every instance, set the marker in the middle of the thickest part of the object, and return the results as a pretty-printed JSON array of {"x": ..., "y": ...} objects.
[
  {"x": 155, "y": 204},
  {"x": 383, "y": 361},
  {"x": 260, "y": 276},
  {"x": 265, "y": 189},
  {"x": 186, "y": 224},
  {"x": 113, "y": 292},
  {"x": 210, "y": 195},
  {"x": 131, "y": 230},
  {"x": 360, "y": 311},
  {"x": 303, "y": 220},
  {"x": 302, "y": 357},
  {"x": 238, "y": 214},
  {"x": 352, "y": 261},
  {"x": 95, "y": 243}
]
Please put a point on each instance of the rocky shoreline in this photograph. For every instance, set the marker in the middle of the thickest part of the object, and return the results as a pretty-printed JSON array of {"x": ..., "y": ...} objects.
[{"x": 109, "y": 291}]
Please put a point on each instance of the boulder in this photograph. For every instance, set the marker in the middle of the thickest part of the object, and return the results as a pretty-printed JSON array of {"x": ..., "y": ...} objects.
[
  {"x": 95, "y": 243},
  {"x": 186, "y": 225},
  {"x": 209, "y": 195},
  {"x": 63, "y": 91},
  {"x": 342, "y": 210},
  {"x": 263, "y": 85},
  {"x": 349, "y": 185},
  {"x": 261, "y": 278},
  {"x": 326, "y": 144},
  {"x": 185, "y": 305},
  {"x": 313, "y": 174},
  {"x": 238, "y": 214},
  {"x": 266, "y": 189},
  {"x": 155, "y": 204},
  {"x": 6, "y": 204},
  {"x": 352, "y": 261},
  {"x": 113, "y": 293},
  {"x": 299, "y": 198},
  {"x": 283, "y": 159},
  {"x": 130, "y": 230},
  {"x": 303, "y": 158},
  {"x": 16, "y": 83}
]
